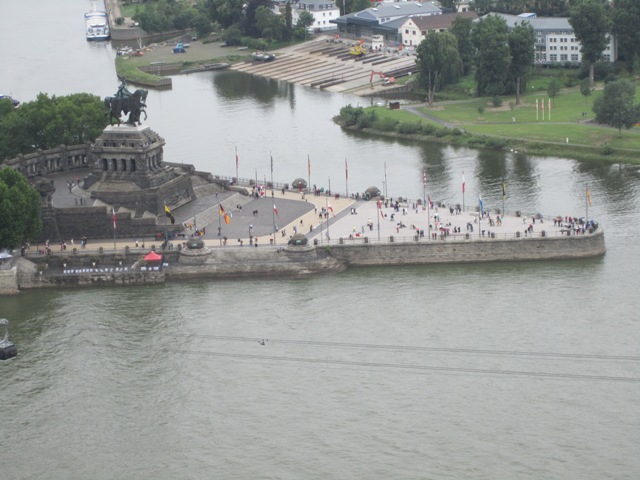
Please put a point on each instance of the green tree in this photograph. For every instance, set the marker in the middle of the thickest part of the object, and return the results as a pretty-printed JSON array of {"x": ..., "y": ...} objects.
[
  {"x": 359, "y": 5},
  {"x": 288, "y": 21},
  {"x": 521, "y": 47},
  {"x": 225, "y": 12},
  {"x": 625, "y": 16},
  {"x": 616, "y": 106},
  {"x": 249, "y": 24},
  {"x": 553, "y": 88},
  {"x": 461, "y": 28},
  {"x": 438, "y": 62},
  {"x": 591, "y": 26},
  {"x": 489, "y": 37},
  {"x": 269, "y": 26},
  {"x": 49, "y": 122},
  {"x": 305, "y": 19},
  {"x": 19, "y": 210},
  {"x": 585, "y": 89}
]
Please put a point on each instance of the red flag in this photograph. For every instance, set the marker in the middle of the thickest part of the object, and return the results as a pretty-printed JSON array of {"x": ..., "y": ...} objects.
[
  {"x": 236, "y": 157},
  {"x": 330, "y": 208},
  {"x": 113, "y": 212},
  {"x": 275, "y": 210},
  {"x": 429, "y": 200},
  {"x": 380, "y": 208},
  {"x": 463, "y": 182}
]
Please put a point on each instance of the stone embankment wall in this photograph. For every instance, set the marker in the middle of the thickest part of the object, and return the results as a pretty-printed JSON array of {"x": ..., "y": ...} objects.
[
  {"x": 472, "y": 251},
  {"x": 291, "y": 262}
]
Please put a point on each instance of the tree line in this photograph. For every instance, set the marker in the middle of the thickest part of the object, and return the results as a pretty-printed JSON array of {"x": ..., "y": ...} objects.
[
  {"x": 49, "y": 122},
  {"x": 503, "y": 58}
]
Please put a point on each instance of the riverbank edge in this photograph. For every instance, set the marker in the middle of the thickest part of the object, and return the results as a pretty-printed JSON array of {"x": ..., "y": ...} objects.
[
  {"x": 294, "y": 261},
  {"x": 583, "y": 153}
]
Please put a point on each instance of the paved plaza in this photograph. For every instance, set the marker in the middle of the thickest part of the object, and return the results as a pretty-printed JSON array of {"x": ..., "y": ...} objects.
[{"x": 344, "y": 220}]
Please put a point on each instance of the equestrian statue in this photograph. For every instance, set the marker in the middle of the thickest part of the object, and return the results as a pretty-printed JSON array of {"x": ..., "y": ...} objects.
[{"x": 124, "y": 102}]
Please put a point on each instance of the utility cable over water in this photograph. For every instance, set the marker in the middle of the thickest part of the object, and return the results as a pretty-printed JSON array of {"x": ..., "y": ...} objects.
[{"x": 408, "y": 367}]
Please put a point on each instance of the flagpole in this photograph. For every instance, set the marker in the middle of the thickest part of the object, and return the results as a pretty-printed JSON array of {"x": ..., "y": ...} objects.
[
  {"x": 114, "y": 229},
  {"x": 385, "y": 181},
  {"x": 480, "y": 216},
  {"x": 424, "y": 198},
  {"x": 379, "y": 214},
  {"x": 308, "y": 172},
  {"x": 327, "y": 199},
  {"x": 346, "y": 175},
  {"x": 504, "y": 194},
  {"x": 463, "y": 182},
  {"x": 219, "y": 225},
  {"x": 237, "y": 177},
  {"x": 586, "y": 203},
  {"x": 273, "y": 200}
]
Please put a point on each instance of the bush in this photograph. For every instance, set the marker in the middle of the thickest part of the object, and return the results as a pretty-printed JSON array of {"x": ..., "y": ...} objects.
[
  {"x": 496, "y": 101},
  {"x": 428, "y": 129},
  {"x": 481, "y": 109},
  {"x": 119, "y": 20},
  {"x": 386, "y": 124},
  {"x": 512, "y": 105},
  {"x": 409, "y": 128},
  {"x": 366, "y": 119},
  {"x": 607, "y": 150}
]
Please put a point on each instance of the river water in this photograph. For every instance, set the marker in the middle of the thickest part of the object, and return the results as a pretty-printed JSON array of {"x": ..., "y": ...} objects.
[{"x": 508, "y": 370}]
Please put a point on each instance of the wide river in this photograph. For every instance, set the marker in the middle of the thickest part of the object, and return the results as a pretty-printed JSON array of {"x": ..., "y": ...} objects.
[{"x": 501, "y": 371}]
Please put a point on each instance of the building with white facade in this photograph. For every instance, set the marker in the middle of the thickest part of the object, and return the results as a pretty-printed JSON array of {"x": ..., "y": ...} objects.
[
  {"x": 323, "y": 12},
  {"x": 415, "y": 29},
  {"x": 555, "y": 40}
]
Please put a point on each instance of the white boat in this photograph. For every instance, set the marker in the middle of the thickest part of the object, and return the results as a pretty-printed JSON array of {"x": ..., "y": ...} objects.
[{"x": 97, "y": 26}]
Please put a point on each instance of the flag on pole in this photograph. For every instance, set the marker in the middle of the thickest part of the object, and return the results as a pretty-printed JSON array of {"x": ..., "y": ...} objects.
[
  {"x": 330, "y": 208},
  {"x": 429, "y": 200},
  {"x": 236, "y": 158},
  {"x": 272, "y": 165},
  {"x": 463, "y": 182},
  {"x": 225, "y": 215},
  {"x": 589, "y": 196},
  {"x": 308, "y": 165},
  {"x": 275, "y": 210},
  {"x": 504, "y": 188},
  {"x": 424, "y": 177},
  {"x": 380, "y": 208},
  {"x": 113, "y": 213},
  {"x": 346, "y": 169},
  {"x": 481, "y": 203},
  {"x": 167, "y": 212}
]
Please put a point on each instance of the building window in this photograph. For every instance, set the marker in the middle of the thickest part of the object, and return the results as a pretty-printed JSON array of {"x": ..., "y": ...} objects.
[
  {"x": 574, "y": 57},
  {"x": 564, "y": 57}
]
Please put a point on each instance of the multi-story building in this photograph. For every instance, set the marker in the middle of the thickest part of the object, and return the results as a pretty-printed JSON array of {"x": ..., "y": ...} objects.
[
  {"x": 555, "y": 40},
  {"x": 323, "y": 12}
]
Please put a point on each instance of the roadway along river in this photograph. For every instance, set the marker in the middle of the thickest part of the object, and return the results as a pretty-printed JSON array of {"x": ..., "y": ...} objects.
[{"x": 526, "y": 370}]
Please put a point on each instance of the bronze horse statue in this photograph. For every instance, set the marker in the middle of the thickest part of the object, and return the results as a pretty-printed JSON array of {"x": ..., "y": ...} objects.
[{"x": 125, "y": 102}]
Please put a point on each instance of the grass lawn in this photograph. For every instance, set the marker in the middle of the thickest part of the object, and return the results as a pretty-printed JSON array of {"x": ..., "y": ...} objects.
[{"x": 558, "y": 133}]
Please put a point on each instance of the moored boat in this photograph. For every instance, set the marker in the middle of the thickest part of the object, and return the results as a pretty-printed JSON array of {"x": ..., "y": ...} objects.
[{"x": 97, "y": 25}]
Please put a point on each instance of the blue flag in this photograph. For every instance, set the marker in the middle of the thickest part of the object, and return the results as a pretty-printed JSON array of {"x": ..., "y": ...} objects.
[{"x": 481, "y": 204}]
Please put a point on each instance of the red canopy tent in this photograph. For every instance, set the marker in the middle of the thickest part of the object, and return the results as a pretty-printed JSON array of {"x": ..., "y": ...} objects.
[{"x": 152, "y": 257}]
